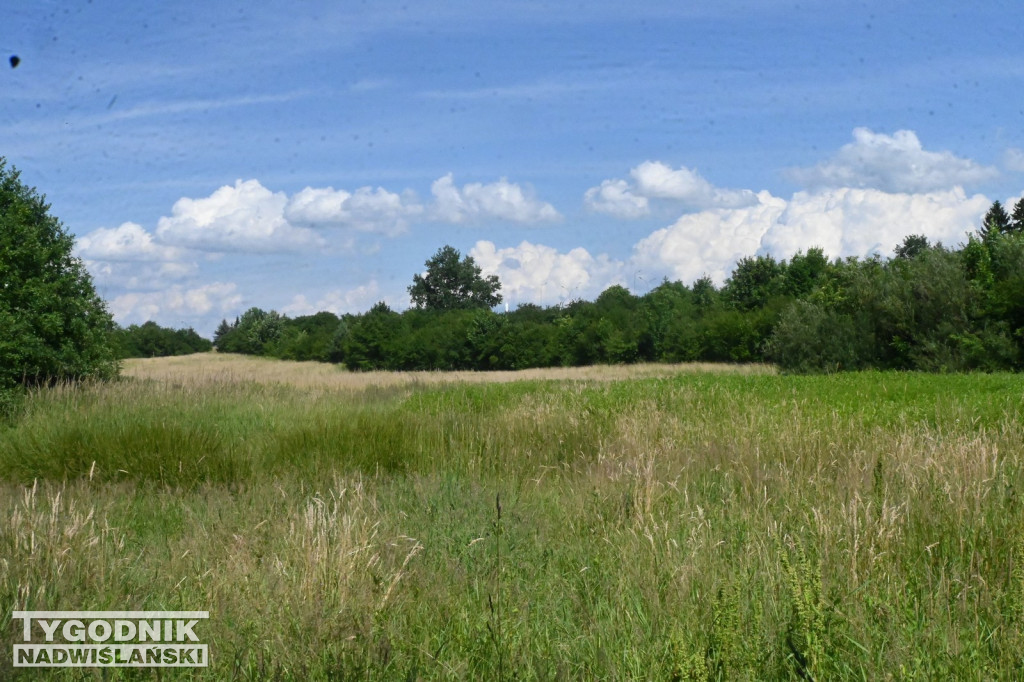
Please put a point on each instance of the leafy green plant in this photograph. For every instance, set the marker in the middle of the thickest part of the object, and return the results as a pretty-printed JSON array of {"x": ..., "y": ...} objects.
[{"x": 55, "y": 326}]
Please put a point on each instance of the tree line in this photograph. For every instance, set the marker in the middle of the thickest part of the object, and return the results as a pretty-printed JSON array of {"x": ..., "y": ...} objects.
[
  {"x": 928, "y": 308},
  {"x": 150, "y": 340}
]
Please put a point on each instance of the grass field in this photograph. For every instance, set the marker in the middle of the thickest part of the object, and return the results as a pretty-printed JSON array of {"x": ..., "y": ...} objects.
[{"x": 657, "y": 522}]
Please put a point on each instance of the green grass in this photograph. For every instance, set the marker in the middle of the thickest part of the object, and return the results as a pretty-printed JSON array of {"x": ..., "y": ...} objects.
[{"x": 856, "y": 526}]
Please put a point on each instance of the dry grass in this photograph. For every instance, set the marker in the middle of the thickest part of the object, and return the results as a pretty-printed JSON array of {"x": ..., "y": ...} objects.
[{"x": 207, "y": 368}]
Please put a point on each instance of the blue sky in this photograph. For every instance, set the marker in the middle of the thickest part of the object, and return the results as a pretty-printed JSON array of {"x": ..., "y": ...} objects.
[{"x": 307, "y": 156}]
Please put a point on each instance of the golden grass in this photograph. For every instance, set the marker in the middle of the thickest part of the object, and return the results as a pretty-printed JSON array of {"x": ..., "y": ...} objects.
[{"x": 207, "y": 368}]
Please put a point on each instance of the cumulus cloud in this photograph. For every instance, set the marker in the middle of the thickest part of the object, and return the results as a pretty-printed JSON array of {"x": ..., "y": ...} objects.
[
  {"x": 365, "y": 209},
  {"x": 129, "y": 257},
  {"x": 659, "y": 181},
  {"x": 707, "y": 243},
  {"x": 859, "y": 222},
  {"x": 843, "y": 222},
  {"x": 245, "y": 217},
  {"x": 656, "y": 180},
  {"x": 144, "y": 276},
  {"x": 127, "y": 242},
  {"x": 541, "y": 274},
  {"x": 616, "y": 198},
  {"x": 337, "y": 301},
  {"x": 894, "y": 163},
  {"x": 215, "y": 297},
  {"x": 501, "y": 200}
]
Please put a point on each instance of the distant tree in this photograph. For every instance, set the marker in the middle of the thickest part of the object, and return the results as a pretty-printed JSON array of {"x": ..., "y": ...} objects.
[
  {"x": 912, "y": 246},
  {"x": 150, "y": 340},
  {"x": 53, "y": 325},
  {"x": 223, "y": 329},
  {"x": 754, "y": 281},
  {"x": 666, "y": 307},
  {"x": 995, "y": 222},
  {"x": 369, "y": 339},
  {"x": 811, "y": 338},
  {"x": 804, "y": 272},
  {"x": 704, "y": 293},
  {"x": 255, "y": 329},
  {"x": 1017, "y": 217},
  {"x": 453, "y": 284},
  {"x": 977, "y": 263},
  {"x": 307, "y": 337}
]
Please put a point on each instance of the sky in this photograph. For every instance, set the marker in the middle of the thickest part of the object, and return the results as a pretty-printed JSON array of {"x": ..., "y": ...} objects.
[{"x": 300, "y": 156}]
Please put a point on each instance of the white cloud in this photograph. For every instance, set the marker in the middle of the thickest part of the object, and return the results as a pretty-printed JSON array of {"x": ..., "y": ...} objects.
[
  {"x": 541, "y": 274},
  {"x": 656, "y": 180},
  {"x": 659, "y": 181},
  {"x": 128, "y": 257},
  {"x": 843, "y": 222},
  {"x": 248, "y": 217},
  {"x": 892, "y": 163},
  {"x": 145, "y": 276},
  {"x": 616, "y": 198},
  {"x": 127, "y": 242},
  {"x": 709, "y": 242},
  {"x": 859, "y": 222},
  {"x": 245, "y": 217},
  {"x": 501, "y": 200},
  {"x": 337, "y": 301},
  {"x": 215, "y": 297},
  {"x": 366, "y": 209}
]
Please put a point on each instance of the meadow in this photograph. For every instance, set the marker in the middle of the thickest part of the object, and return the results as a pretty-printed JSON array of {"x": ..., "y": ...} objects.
[{"x": 688, "y": 522}]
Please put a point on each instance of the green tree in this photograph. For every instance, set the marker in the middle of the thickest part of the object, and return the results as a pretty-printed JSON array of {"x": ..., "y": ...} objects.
[
  {"x": 995, "y": 222},
  {"x": 811, "y": 338},
  {"x": 369, "y": 339},
  {"x": 704, "y": 293},
  {"x": 453, "y": 284},
  {"x": 804, "y": 272},
  {"x": 54, "y": 325},
  {"x": 1017, "y": 217},
  {"x": 912, "y": 246},
  {"x": 224, "y": 329},
  {"x": 150, "y": 340},
  {"x": 307, "y": 337},
  {"x": 754, "y": 281},
  {"x": 251, "y": 333}
]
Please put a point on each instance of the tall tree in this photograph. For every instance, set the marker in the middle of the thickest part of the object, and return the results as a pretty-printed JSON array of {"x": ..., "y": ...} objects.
[
  {"x": 453, "y": 284},
  {"x": 754, "y": 281},
  {"x": 912, "y": 246},
  {"x": 53, "y": 325},
  {"x": 1017, "y": 217},
  {"x": 996, "y": 221},
  {"x": 704, "y": 292}
]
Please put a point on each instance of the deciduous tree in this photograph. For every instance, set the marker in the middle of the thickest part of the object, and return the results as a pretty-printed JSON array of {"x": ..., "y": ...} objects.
[
  {"x": 53, "y": 325},
  {"x": 453, "y": 284}
]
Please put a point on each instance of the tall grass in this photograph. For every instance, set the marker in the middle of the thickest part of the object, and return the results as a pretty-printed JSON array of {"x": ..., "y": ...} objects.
[{"x": 692, "y": 526}]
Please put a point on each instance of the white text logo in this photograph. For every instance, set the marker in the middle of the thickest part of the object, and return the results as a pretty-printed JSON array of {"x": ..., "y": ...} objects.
[{"x": 133, "y": 639}]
